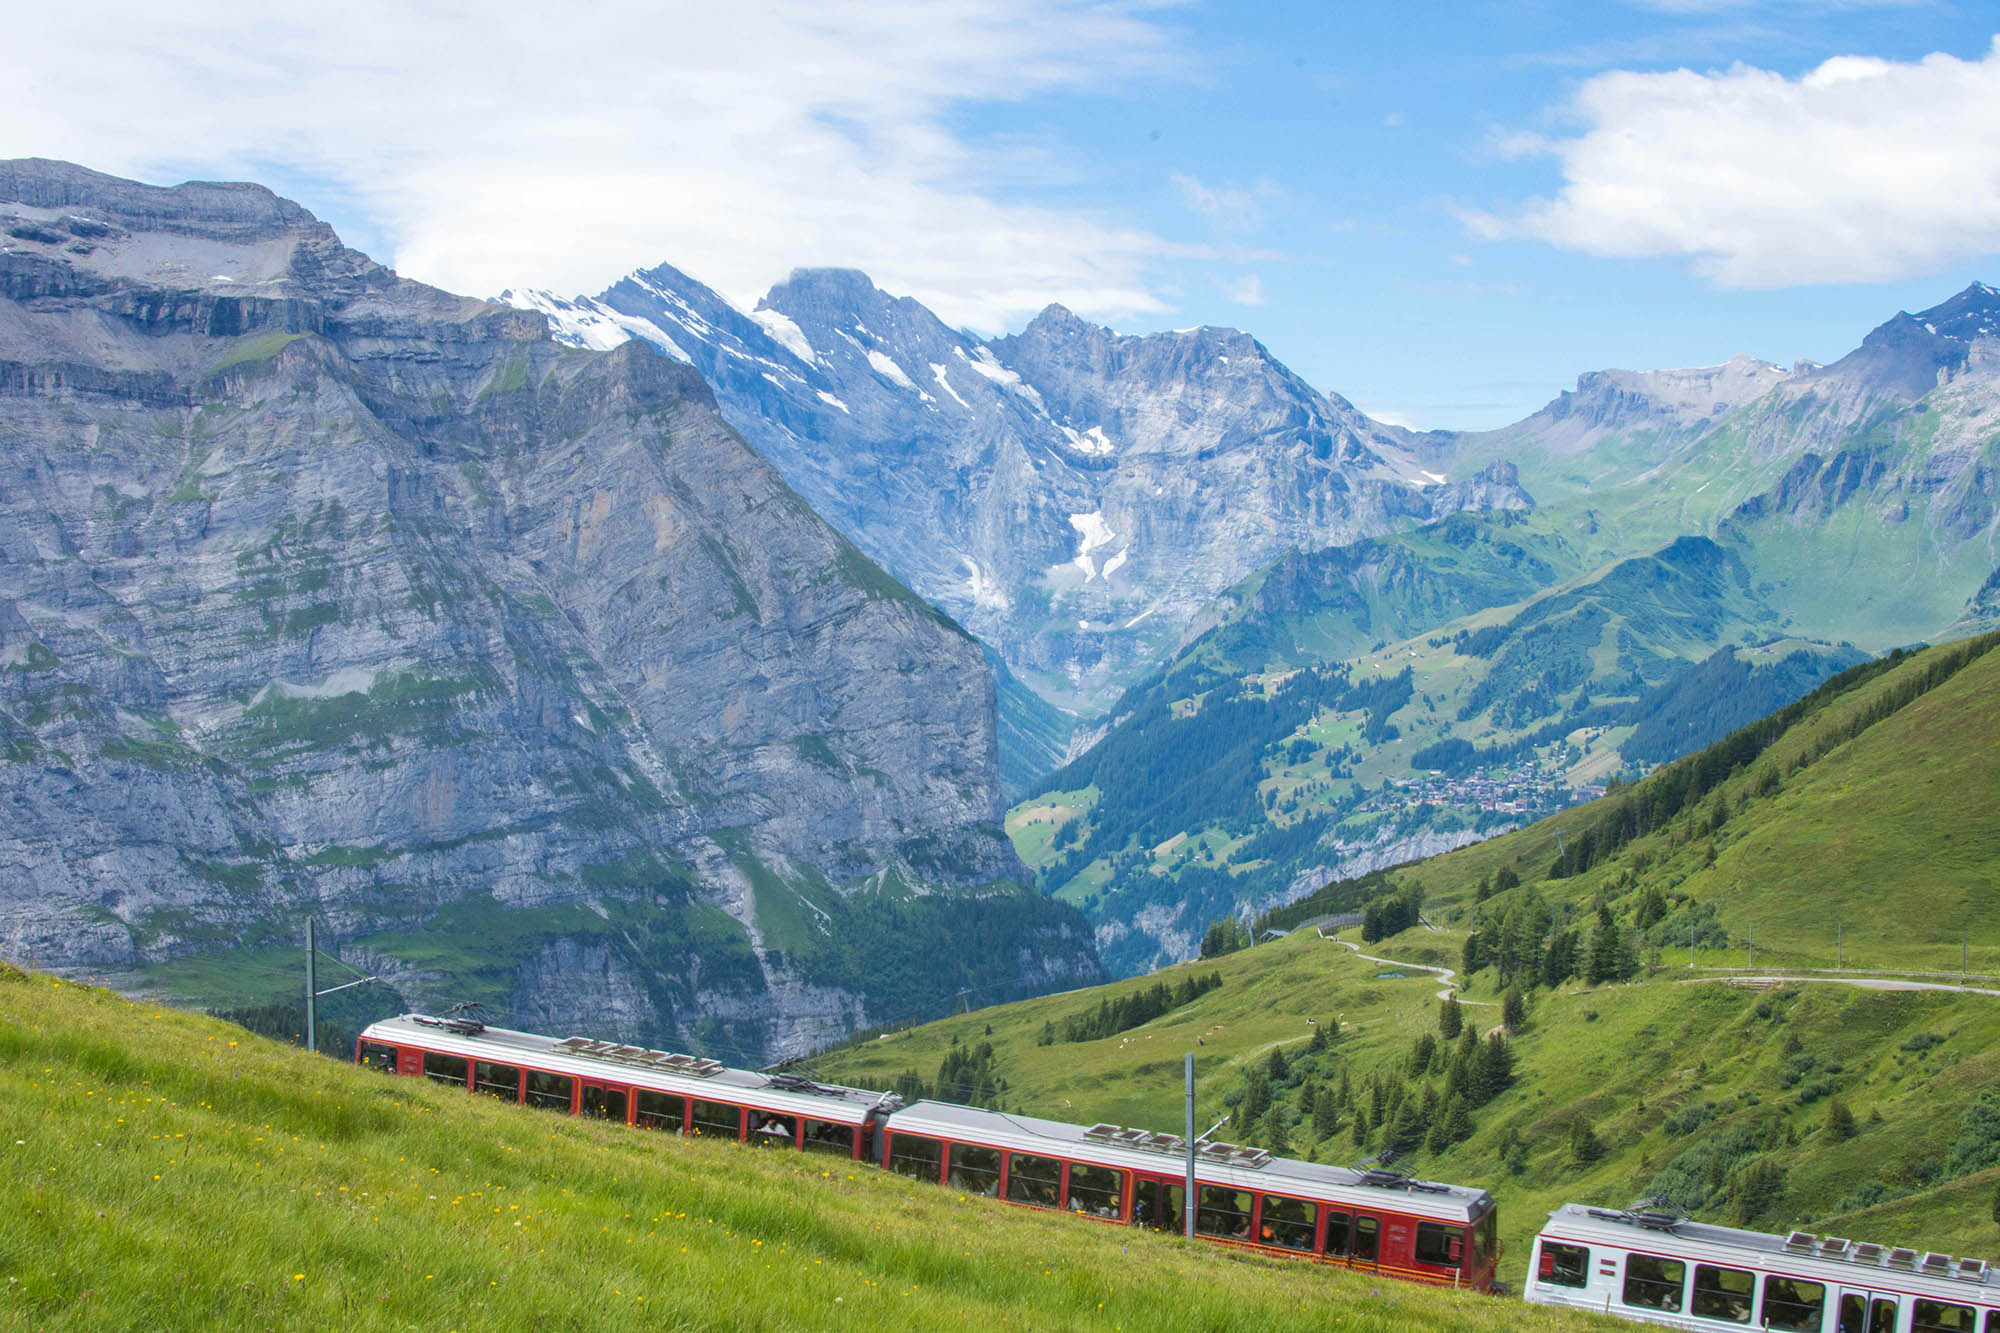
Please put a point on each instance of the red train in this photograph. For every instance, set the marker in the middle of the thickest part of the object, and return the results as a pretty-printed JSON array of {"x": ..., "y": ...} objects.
[{"x": 1376, "y": 1221}]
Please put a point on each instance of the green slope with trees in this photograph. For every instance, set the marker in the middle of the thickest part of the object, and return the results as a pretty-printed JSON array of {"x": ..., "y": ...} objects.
[{"x": 1584, "y": 1058}]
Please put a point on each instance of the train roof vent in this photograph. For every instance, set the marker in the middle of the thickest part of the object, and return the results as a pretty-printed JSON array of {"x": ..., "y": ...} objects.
[
  {"x": 1937, "y": 1265},
  {"x": 1970, "y": 1270},
  {"x": 1143, "y": 1140},
  {"x": 1801, "y": 1242},
  {"x": 1231, "y": 1154},
  {"x": 462, "y": 1019},
  {"x": 639, "y": 1055},
  {"x": 1399, "y": 1180},
  {"x": 1833, "y": 1247},
  {"x": 1866, "y": 1253},
  {"x": 1902, "y": 1258}
]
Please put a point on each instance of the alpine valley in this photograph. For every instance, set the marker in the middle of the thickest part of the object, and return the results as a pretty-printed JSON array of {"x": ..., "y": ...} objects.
[{"x": 1250, "y": 641}]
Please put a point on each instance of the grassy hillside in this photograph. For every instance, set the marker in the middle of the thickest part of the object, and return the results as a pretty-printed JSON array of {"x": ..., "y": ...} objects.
[
  {"x": 1869, "y": 804},
  {"x": 164, "y": 1170}
]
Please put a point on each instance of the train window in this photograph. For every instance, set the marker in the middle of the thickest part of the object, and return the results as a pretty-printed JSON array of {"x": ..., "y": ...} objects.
[
  {"x": 1439, "y": 1244},
  {"x": 551, "y": 1092},
  {"x": 718, "y": 1119},
  {"x": 1337, "y": 1225},
  {"x": 502, "y": 1081},
  {"x": 1035, "y": 1180},
  {"x": 1793, "y": 1306},
  {"x": 975, "y": 1170},
  {"x": 661, "y": 1110},
  {"x": 1564, "y": 1265},
  {"x": 1156, "y": 1205},
  {"x": 1942, "y": 1317},
  {"x": 374, "y": 1055},
  {"x": 917, "y": 1158},
  {"x": 828, "y": 1136},
  {"x": 1223, "y": 1212},
  {"x": 445, "y": 1068},
  {"x": 1993, "y": 1321},
  {"x": 1652, "y": 1283},
  {"x": 1365, "y": 1239},
  {"x": 600, "y": 1103},
  {"x": 773, "y": 1130},
  {"x": 1097, "y": 1190},
  {"x": 1287, "y": 1223},
  {"x": 1722, "y": 1293}
]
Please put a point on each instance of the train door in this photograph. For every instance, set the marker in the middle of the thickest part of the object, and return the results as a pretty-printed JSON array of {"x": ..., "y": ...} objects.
[
  {"x": 603, "y": 1102},
  {"x": 1156, "y": 1203},
  {"x": 1866, "y": 1312},
  {"x": 1365, "y": 1244}
]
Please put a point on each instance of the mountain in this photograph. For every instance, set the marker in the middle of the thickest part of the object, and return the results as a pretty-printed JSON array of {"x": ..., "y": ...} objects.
[
  {"x": 1848, "y": 837},
  {"x": 326, "y": 592},
  {"x": 1706, "y": 542},
  {"x": 1072, "y": 495}
]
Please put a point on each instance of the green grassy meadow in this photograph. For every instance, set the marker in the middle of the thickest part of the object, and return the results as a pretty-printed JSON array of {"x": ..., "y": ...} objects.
[{"x": 165, "y": 1170}]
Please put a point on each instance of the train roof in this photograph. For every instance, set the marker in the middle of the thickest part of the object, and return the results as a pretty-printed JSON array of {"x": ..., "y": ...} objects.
[
  {"x": 1833, "y": 1259},
  {"x": 1217, "y": 1164},
  {"x": 634, "y": 1066}
]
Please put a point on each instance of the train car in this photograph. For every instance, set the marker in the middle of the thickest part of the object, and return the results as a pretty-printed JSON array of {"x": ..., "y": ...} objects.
[
  {"x": 1660, "y": 1268},
  {"x": 1378, "y": 1221},
  {"x": 629, "y": 1084}
]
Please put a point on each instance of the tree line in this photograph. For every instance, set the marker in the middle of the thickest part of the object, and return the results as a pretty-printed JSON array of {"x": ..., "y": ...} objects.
[{"x": 1128, "y": 1011}]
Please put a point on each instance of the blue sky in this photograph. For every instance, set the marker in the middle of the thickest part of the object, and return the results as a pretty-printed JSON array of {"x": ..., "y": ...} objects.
[{"x": 1442, "y": 212}]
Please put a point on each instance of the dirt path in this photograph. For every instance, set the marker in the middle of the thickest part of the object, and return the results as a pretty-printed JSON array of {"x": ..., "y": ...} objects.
[
  {"x": 1866, "y": 983},
  {"x": 1444, "y": 974}
]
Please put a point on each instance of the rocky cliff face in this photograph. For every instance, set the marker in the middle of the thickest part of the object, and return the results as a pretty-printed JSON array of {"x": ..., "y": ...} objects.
[
  {"x": 325, "y": 591},
  {"x": 1072, "y": 495}
]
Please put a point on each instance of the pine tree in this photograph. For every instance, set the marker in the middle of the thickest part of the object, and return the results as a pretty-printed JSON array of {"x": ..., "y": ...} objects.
[
  {"x": 1326, "y": 1114},
  {"x": 1406, "y": 1130},
  {"x": 1256, "y": 1096},
  {"x": 1277, "y": 1140},
  {"x": 1584, "y": 1145},
  {"x": 1514, "y": 1009},
  {"x": 1422, "y": 1054},
  {"x": 1277, "y": 1067},
  {"x": 1474, "y": 956},
  {"x": 1359, "y": 1133},
  {"x": 1451, "y": 1018},
  {"x": 1605, "y": 947},
  {"x": 1318, "y": 1042},
  {"x": 1996, "y": 1204},
  {"x": 1376, "y": 1100},
  {"x": 1839, "y": 1122},
  {"x": 1559, "y": 959},
  {"x": 1346, "y": 1089}
]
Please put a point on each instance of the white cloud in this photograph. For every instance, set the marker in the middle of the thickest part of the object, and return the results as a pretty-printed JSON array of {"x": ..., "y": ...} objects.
[
  {"x": 515, "y": 144},
  {"x": 1246, "y": 290},
  {"x": 1862, "y": 170},
  {"x": 1231, "y": 208}
]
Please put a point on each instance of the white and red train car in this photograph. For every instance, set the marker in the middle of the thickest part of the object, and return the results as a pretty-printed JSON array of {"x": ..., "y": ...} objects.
[
  {"x": 629, "y": 1084},
  {"x": 1376, "y": 1221},
  {"x": 1662, "y": 1269}
]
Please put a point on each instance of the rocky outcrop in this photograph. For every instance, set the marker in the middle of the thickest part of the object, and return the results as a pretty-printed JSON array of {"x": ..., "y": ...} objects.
[{"x": 325, "y": 591}]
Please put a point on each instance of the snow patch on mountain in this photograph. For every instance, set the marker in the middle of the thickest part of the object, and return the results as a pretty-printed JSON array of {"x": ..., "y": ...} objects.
[
  {"x": 937, "y": 373},
  {"x": 785, "y": 333},
  {"x": 1095, "y": 533},
  {"x": 880, "y": 363},
  {"x": 1093, "y": 441}
]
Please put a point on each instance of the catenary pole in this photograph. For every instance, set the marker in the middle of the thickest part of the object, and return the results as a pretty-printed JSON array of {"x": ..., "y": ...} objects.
[
  {"x": 312, "y": 988},
  {"x": 1187, "y": 1199}
]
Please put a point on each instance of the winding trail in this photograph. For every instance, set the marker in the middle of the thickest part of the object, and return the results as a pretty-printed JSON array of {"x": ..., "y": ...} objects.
[{"x": 1444, "y": 974}]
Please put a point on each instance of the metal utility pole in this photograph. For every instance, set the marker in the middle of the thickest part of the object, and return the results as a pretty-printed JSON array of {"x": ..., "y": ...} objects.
[
  {"x": 1187, "y": 1200},
  {"x": 312, "y": 988}
]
